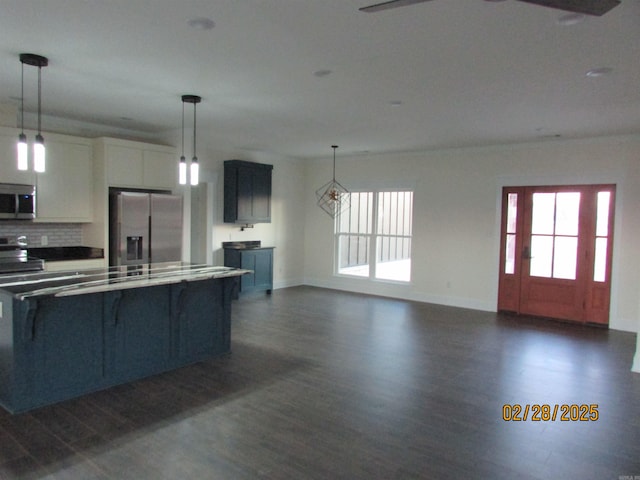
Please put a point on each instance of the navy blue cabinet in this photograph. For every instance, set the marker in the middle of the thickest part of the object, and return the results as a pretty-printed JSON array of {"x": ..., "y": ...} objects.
[
  {"x": 138, "y": 327},
  {"x": 247, "y": 192},
  {"x": 259, "y": 260},
  {"x": 57, "y": 353},
  {"x": 194, "y": 306},
  {"x": 68, "y": 352},
  {"x": 56, "y": 348}
]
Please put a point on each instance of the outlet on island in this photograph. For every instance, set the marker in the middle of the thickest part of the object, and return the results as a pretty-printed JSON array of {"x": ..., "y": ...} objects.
[{"x": 44, "y": 240}]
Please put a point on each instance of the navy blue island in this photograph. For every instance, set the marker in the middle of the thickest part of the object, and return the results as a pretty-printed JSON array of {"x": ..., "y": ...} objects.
[{"x": 65, "y": 334}]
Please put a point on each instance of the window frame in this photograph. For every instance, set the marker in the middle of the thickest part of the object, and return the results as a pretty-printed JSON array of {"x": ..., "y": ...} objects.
[{"x": 374, "y": 236}]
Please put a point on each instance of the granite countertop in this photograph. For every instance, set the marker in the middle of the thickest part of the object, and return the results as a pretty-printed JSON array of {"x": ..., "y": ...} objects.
[
  {"x": 77, "y": 282},
  {"x": 76, "y": 252}
]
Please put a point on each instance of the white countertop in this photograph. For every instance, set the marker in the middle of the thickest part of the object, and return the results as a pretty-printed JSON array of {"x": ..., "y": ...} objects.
[{"x": 78, "y": 282}]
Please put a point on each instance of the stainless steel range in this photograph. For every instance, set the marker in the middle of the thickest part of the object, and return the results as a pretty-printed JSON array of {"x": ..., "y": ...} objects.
[{"x": 14, "y": 256}]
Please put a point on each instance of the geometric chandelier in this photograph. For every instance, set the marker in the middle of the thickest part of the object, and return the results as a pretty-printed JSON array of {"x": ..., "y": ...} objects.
[{"x": 332, "y": 197}]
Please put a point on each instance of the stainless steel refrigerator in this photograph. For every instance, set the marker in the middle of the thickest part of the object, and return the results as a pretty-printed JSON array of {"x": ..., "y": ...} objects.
[{"x": 144, "y": 228}]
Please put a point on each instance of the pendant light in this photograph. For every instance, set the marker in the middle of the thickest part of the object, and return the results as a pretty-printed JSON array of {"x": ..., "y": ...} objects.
[
  {"x": 182, "y": 166},
  {"x": 38, "y": 146},
  {"x": 332, "y": 197},
  {"x": 23, "y": 152},
  {"x": 194, "y": 168}
]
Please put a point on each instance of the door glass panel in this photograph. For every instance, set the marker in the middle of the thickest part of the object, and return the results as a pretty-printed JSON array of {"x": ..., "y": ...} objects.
[
  {"x": 602, "y": 215},
  {"x": 511, "y": 226},
  {"x": 564, "y": 257},
  {"x": 567, "y": 209},
  {"x": 512, "y": 212},
  {"x": 600, "y": 262},
  {"x": 510, "y": 254},
  {"x": 543, "y": 213},
  {"x": 541, "y": 256},
  {"x": 554, "y": 243},
  {"x": 602, "y": 231}
]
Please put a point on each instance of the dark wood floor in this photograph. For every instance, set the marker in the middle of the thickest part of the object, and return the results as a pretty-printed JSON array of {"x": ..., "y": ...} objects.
[{"x": 331, "y": 385}]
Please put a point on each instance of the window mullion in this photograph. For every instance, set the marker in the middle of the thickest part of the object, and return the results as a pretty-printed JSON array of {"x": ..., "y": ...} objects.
[{"x": 374, "y": 236}]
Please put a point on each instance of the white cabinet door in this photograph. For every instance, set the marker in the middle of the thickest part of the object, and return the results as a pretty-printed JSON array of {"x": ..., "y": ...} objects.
[
  {"x": 125, "y": 166},
  {"x": 65, "y": 190},
  {"x": 141, "y": 165},
  {"x": 160, "y": 169},
  {"x": 9, "y": 172}
]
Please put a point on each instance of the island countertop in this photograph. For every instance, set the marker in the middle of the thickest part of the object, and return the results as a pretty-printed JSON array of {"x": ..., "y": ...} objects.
[{"x": 78, "y": 282}]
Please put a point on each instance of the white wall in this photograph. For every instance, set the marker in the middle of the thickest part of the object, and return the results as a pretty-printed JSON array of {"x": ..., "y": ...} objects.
[
  {"x": 456, "y": 215},
  {"x": 636, "y": 359}
]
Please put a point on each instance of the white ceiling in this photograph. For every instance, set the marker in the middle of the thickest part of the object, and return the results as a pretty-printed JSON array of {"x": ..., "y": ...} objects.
[{"x": 467, "y": 72}]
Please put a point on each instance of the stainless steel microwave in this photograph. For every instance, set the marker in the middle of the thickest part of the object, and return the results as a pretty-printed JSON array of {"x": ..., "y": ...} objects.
[{"x": 17, "y": 202}]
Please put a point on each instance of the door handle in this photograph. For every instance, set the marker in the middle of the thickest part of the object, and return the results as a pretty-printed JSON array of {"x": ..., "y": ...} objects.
[{"x": 526, "y": 253}]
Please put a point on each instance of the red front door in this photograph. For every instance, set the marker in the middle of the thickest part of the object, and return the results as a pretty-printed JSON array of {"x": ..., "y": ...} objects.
[{"x": 556, "y": 251}]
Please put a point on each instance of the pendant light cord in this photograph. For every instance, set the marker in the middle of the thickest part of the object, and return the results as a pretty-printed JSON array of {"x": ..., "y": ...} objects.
[
  {"x": 22, "y": 101},
  {"x": 334, "y": 161},
  {"x": 183, "y": 129},
  {"x": 39, "y": 97},
  {"x": 194, "y": 132}
]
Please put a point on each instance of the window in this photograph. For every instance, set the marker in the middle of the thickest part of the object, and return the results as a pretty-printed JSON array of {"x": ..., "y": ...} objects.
[{"x": 373, "y": 236}]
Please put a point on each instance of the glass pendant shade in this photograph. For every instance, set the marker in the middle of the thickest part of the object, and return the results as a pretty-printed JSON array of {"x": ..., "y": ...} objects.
[
  {"x": 182, "y": 171},
  {"x": 39, "y": 154},
  {"x": 23, "y": 152},
  {"x": 195, "y": 171}
]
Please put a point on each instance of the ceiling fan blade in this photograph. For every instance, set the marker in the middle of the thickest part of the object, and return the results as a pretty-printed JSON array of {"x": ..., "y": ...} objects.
[
  {"x": 588, "y": 7},
  {"x": 390, "y": 4}
]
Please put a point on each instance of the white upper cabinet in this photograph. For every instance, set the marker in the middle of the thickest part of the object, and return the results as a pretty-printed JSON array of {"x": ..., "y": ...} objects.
[
  {"x": 64, "y": 192},
  {"x": 139, "y": 165},
  {"x": 124, "y": 165},
  {"x": 160, "y": 168}
]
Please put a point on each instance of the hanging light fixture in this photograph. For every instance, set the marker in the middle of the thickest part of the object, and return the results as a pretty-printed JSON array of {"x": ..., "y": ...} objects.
[
  {"x": 182, "y": 168},
  {"x": 23, "y": 152},
  {"x": 38, "y": 146},
  {"x": 333, "y": 197},
  {"x": 195, "y": 168}
]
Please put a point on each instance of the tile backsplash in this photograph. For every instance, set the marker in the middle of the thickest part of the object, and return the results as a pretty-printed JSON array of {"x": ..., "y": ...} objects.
[{"x": 58, "y": 234}]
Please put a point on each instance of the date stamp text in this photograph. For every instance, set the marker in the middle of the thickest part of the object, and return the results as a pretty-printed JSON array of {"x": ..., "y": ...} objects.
[{"x": 550, "y": 413}]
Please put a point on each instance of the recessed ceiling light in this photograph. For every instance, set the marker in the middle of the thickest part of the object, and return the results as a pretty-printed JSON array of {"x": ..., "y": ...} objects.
[
  {"x": 571, "y": 19},
  {"x": 322, "y": 73},
  {"x": 202, "y": 23},
  {"x": 599, "y": 72}
]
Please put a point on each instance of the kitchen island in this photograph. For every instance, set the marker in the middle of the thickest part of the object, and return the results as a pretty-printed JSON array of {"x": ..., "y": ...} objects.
[{"x": 65, "y": 334}]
